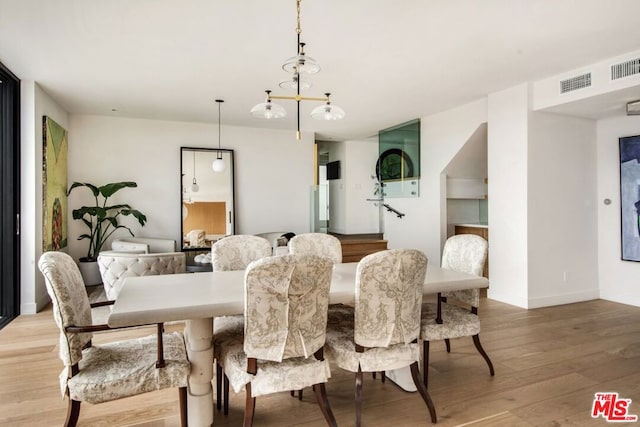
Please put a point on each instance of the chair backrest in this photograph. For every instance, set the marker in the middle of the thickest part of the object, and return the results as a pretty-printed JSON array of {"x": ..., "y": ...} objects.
[
  {"x": 117, "y": 266},
  {"x": 465, "y": 253},
  {"x": 286, "y": 303},
  {"x": 238, "y": 251},
  {"x": 70, "y": 302},
  {"x": 320, "y": 244},
  {"x": 389, "y": 288}
]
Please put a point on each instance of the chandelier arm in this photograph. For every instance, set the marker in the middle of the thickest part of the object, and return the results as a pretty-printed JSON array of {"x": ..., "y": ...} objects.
[{"x": 301, "y": 98}]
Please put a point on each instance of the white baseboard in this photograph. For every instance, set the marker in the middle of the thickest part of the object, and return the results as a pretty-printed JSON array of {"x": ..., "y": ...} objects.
[
  {"x": 560, "y": 299},
  {"x": 623, "y": 299},
  {"x": 28, "y": 308},
  {"x": 34, "y": 307},
  {"x": 506, "y": 298}
]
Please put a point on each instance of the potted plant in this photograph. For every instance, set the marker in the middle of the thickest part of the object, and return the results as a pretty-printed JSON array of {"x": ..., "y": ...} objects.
[{"x": 102, "y": 220}]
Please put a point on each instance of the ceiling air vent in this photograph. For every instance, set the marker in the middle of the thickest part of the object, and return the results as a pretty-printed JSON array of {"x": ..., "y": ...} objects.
[
  {"x": 625, "y": 69},
  {"x": 575, "y": 83}
]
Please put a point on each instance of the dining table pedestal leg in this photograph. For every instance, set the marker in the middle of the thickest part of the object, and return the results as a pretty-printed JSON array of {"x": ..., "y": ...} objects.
[{"x": 198, "y": 336}]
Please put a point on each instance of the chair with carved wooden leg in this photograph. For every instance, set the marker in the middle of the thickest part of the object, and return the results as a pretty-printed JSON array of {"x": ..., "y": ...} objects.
[
  {"x": 455, "y": 314},
  {"x": 234, "y": 253},
  {"x": 322, "y": 244},
  {"x": 115, "y": 370},
  {"x": 285, "y": 318},
  {"x": 381, "y": 332}
]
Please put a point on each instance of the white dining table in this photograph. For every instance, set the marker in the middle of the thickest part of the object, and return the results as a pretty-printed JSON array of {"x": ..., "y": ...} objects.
[{"x": 197, "y": 298}]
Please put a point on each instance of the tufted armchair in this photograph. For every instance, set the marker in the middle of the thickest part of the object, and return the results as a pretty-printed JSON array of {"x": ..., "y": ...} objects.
[
  {"x": 455, "y": 314},
  {"x": 381, "y": 332},
  {"x": 101, "y": 373},
  {"x": 117, "y": 266},
  {"x": 281, "y": 346},
  {"x": 317, "y": 244},
  {"x": 145, "y": 245},
  {"x": 238, "y": 251}
]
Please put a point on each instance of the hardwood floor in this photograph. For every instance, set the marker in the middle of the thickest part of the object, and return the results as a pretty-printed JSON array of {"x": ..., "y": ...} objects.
[{"x": 549, "y": 363}]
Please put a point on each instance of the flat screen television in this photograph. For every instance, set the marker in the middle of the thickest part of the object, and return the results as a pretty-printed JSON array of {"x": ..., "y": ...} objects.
[{"x": 333, "y": 170}]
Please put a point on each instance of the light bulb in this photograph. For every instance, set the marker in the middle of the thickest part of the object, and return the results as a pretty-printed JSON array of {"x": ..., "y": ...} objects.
[{"x": 219, "y": 165}]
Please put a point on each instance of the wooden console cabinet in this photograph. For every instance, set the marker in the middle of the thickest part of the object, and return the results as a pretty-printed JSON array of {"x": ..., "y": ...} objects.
[{"x": 355, "y": 250}]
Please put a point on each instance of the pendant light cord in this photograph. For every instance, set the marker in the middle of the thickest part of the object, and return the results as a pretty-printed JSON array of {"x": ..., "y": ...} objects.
[{"x": 219, "y": 156}]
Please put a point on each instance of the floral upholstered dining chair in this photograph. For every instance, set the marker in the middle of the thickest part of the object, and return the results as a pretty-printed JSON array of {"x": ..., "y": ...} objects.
[
  {"x": 465, "y": 253},
  {"x": 281, "y": 346},
  {"x": 229, "y": 254},
  {"x": 238, "y": 251},
  {"x": 381, "y": 332},
  {"x": 320, "y": 244},
  {"x": 101, "y": 373}
]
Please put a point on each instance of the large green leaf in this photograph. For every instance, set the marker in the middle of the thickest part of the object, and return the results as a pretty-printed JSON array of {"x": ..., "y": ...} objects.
[
  {"x": 92, "y": 187},
  {"x": 108, "y": 190},
  {"x": 142, "y": 218}
]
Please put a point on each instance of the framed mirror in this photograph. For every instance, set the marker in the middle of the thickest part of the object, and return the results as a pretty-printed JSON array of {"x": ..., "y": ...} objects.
[{"x": 208, "y": 196}]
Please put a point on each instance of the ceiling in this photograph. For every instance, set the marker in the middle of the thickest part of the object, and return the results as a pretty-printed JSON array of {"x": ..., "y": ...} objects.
[{"x": 385, "y": 62}]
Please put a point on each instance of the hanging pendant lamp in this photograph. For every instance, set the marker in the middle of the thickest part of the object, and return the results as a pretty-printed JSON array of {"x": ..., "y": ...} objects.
[
  {"x": 194, "y": 186},
  {"x": 218, "y": 164}
]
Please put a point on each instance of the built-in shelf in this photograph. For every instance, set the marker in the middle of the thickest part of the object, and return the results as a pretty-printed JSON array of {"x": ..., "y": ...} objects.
[
  {"x": 467, "y": 188},
  {"x": 473, "y": 224}
]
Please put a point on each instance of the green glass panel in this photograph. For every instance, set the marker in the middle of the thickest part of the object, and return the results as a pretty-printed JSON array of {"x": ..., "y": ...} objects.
[{"x": 398, "y": 165}]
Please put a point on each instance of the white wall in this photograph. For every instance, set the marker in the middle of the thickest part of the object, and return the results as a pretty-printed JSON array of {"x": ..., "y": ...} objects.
[
  {"x": 337, "y": 192},
  {"x": 350, "y": 212},
  {"x": 618, "y": 279},
  {"x": 35, "y": 104},
  {"x": 274, "y": 172},
  {"x": 424, "y": 225},
  {"x": 508, "y": 197},
  {"x": 562, "y": 214},
  {"x": 542, "y": 218},
  {"x": 362, "y": 216}
]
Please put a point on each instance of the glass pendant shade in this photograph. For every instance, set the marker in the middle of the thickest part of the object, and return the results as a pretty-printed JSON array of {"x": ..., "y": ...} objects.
[
  {"x": 194, "y": 186},
  {"x": 268, "y": 110},
  {"x": 293, "y": 83},
  {"x": 218, "y": 165},
  {"x": 327, "y": 112},
  {"x": 301, "y": 63}
]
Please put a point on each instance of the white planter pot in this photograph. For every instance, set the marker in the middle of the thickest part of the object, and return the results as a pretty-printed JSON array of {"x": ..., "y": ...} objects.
[{"x": 90, "y": 272}]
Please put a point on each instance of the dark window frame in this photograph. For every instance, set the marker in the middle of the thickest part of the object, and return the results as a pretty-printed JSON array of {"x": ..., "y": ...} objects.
[{"x": 9, "y": 196}]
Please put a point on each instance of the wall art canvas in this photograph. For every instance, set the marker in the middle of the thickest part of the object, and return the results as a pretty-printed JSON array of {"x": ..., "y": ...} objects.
[
  {"x": 54, "y": 185},
  {"x": 630, "y": 197}
]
